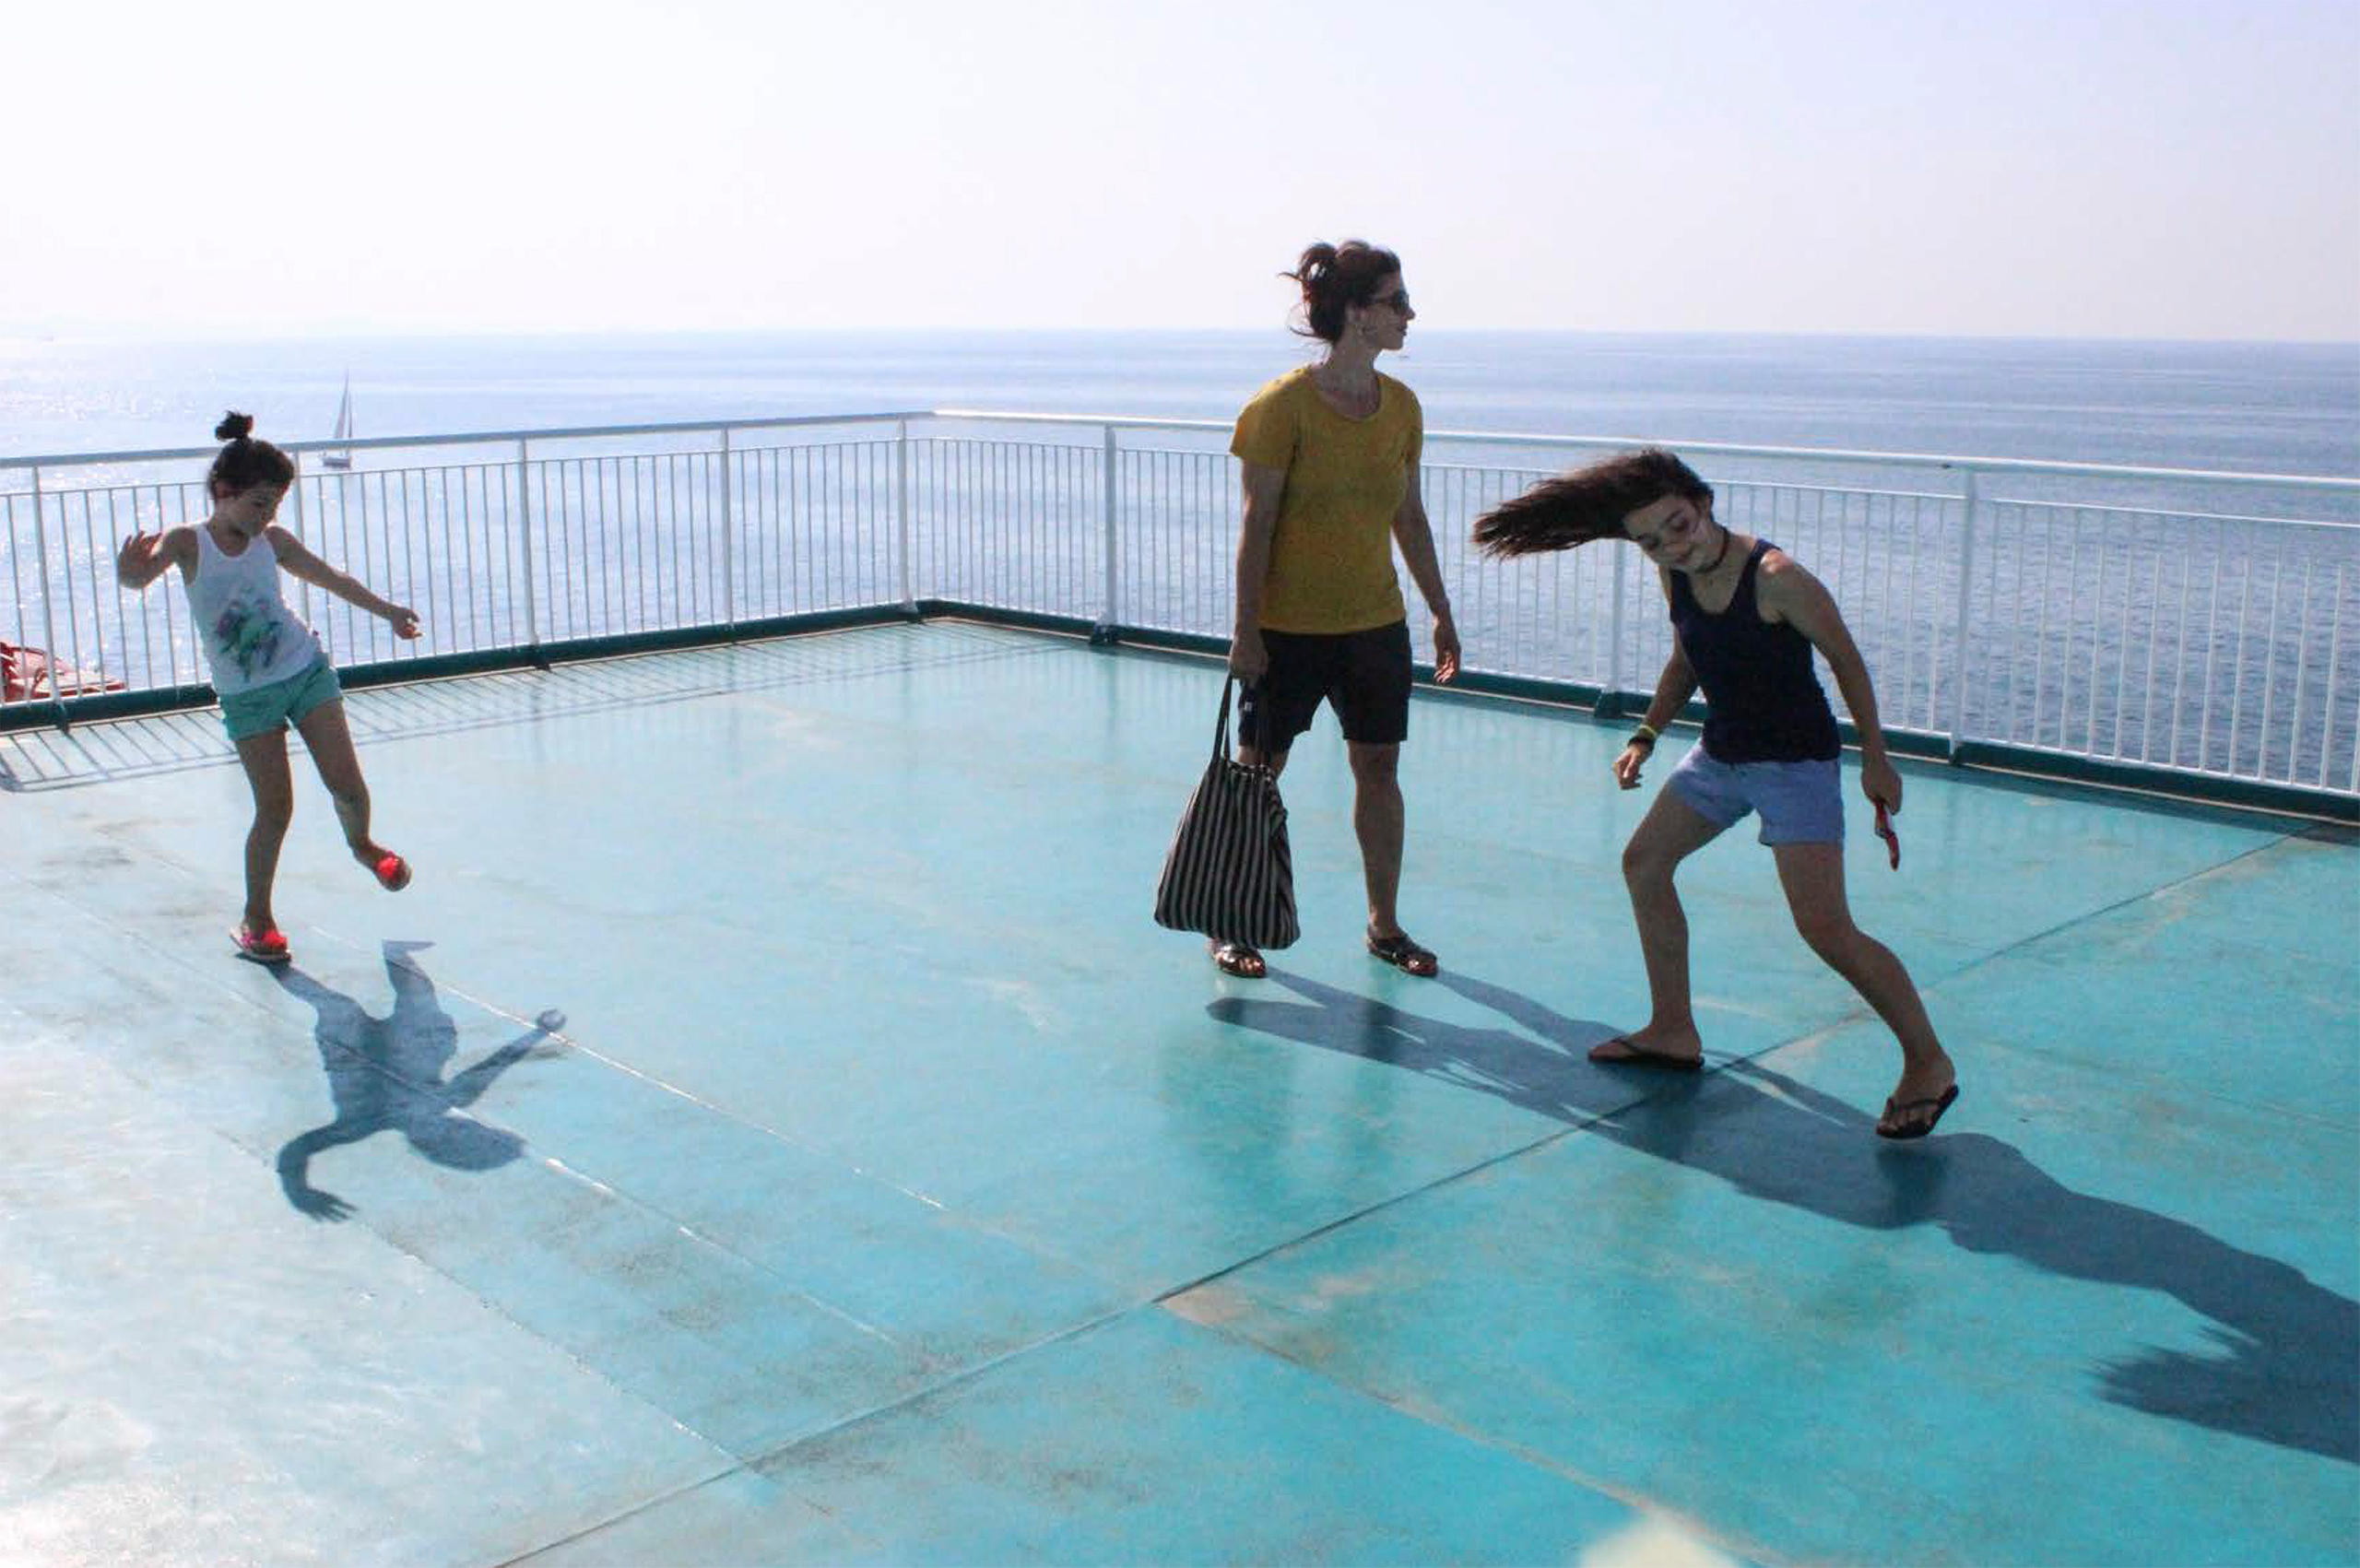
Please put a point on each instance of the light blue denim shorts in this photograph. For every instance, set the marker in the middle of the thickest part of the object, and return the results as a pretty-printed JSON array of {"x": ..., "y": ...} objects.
[
  {"x": 1800, "y": 802},
  {"x": 280, "y": 703}
]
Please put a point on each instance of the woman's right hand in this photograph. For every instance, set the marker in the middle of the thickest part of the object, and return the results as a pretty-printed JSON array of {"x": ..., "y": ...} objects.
[
  {"x": 1249, "y": 660},
  {"x": 1627, "y": 766}
]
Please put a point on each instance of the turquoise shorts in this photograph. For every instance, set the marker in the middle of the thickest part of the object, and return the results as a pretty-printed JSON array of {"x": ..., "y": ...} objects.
[
  {"x": 282, "y": 702},
  {"x": 1800, "y": 802}
]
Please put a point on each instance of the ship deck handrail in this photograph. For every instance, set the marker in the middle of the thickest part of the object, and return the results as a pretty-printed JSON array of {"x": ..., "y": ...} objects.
[
  {"x": 2179, "y": 628},
  {"x": 1958, "y": 460}
]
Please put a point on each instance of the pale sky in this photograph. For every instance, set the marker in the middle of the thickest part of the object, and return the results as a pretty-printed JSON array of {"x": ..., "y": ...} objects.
[{"x": 2068, "y": 167}]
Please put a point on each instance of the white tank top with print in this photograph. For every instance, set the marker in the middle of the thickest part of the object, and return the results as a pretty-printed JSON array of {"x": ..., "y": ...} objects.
[{"x": 251, "y": 637}]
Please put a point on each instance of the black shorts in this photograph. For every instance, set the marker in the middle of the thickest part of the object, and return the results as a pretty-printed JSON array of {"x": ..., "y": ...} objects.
[{"x": 1364, "y": 675}]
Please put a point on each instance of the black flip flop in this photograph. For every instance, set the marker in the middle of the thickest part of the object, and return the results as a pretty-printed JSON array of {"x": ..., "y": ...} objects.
[
  {"x": 1640, "y": 1056},
  {"x": 1940, "y": 1103},
  {"x": 1403, "y": 954}
]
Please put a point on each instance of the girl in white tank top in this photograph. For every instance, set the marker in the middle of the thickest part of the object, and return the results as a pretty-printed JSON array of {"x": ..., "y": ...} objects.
[
  {"x": 250, "y": 638},
  {"x": 268, "y": 667}
]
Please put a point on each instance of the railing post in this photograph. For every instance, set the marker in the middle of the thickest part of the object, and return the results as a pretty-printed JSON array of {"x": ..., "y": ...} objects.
[
  {"x": 1110, "y": 613},
  {"x": 1610, "y": 701},
  {"x": 48, "y": 602},
  {"x": 295, "y": 494},
  {"x": 728, "y": 539},
  {"x": 1970, "y": 498},
  {"x": 525, "y": 545},
  {"x": 901, "y": 515}
]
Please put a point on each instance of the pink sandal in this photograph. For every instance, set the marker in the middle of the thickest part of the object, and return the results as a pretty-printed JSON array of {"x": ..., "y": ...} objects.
[
  {"x": 268, "y": 946},
  {"x": 393, "y": 872}
]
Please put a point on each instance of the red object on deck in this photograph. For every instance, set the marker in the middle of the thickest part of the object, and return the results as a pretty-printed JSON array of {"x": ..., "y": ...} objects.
[{"x": 28, "y": 675}]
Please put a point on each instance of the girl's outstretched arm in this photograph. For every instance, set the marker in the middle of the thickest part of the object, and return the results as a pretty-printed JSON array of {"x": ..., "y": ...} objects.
[
  {"x": 1673, "y": 687},
  {"x": 1791, "y": 595},
  {"x": 301, "y": 564},
  {"x": 143, "y": 556}
]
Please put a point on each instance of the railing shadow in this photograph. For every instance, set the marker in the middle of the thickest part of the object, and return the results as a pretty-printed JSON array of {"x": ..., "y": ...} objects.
[
  {"x": 386, "y": 1073},
  {"x": 105, "y": 751},
  {"x": 2289, "y": 1369}
]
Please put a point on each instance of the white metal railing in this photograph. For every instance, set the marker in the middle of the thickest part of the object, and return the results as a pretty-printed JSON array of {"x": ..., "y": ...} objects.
[{"x": 2142, "y": 616}]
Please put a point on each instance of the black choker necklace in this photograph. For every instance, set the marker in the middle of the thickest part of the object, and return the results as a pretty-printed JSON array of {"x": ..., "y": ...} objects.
[{"x": 1718, "y": 559}]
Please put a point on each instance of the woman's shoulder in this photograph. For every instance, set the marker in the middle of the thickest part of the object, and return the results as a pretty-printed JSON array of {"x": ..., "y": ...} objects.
[
  {"x": 1398, "y": 401},
  {"x": 1278, "y": 406},
  {"x": 1278, "y": 388}
]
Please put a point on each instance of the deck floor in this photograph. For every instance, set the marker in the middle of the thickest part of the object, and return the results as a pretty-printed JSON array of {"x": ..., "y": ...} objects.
[{"x": 771, "y": 1130}]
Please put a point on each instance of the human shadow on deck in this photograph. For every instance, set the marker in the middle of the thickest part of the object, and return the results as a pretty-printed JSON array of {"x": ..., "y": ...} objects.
[
  {"x": 387, "y": 1073},
  {"x": 2289, "y": 1372}
]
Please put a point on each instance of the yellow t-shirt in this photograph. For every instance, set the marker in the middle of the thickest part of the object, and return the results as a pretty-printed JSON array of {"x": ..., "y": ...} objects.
[{"x": 1331, "y": 553}]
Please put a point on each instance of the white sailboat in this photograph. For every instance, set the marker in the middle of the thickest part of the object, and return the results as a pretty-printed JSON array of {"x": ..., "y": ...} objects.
[{"x": 343, "y": 429}]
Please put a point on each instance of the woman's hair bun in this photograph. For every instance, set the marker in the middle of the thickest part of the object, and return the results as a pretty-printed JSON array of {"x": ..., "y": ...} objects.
[{"x": 235, "y": 426}]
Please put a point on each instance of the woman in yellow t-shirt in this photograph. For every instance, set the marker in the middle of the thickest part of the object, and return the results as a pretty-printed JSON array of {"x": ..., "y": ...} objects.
[{"x": 1332, "y": 483}]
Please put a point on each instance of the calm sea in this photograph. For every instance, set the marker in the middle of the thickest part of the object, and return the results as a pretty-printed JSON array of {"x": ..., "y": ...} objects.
[{"x": 2282, "y": 408}]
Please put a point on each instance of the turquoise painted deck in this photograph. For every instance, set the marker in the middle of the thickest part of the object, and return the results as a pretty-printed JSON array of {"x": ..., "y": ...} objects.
[{"x": 770, "y": 1130}]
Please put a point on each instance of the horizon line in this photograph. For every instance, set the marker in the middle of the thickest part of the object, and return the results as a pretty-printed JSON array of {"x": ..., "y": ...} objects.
[{"x": 15, "y": 334}]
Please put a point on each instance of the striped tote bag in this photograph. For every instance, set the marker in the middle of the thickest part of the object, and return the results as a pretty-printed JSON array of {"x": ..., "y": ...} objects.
[{"x": 1230, "y": 874}]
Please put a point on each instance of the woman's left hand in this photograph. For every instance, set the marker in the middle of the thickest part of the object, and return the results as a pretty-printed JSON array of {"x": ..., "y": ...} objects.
[
  {"x": 1446, "y": 648},
  {"x": 1881, "y": 782}
]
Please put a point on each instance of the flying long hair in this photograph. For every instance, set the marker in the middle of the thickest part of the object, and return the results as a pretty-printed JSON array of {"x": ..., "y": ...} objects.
[{"x": 1588, "y": 503}]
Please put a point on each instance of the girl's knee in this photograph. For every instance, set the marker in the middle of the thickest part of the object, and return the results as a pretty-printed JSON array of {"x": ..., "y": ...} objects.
[
  {"x": 1834, "y": 939},
  {"x": 1644, "y": 866}
]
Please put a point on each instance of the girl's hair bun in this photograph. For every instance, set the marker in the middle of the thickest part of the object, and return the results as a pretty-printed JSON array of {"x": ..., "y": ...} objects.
[{"x": 235, "y": 426}]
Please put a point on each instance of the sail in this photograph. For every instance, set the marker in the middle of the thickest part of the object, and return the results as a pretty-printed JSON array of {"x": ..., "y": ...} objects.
[{"x": 342, "y": 429}]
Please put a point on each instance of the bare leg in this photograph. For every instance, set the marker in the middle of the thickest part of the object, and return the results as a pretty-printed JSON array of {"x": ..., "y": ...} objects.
[
  {"x": 1252, "y": 757},
  {"x": 1378, "y": 821},
  {"x": 265, "y": 757},
  {"x": 329, "y": 739},
  {"x": 1672, "y": 832},
  {"x": 1813, "y": 876}
]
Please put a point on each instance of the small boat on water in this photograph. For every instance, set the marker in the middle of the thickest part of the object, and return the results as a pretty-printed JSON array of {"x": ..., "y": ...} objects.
[{"x": 343, "y": 431}]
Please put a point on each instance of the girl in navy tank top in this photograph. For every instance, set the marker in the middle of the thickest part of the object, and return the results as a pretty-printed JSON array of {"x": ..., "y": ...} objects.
[{"x": 1747, "y": 619}]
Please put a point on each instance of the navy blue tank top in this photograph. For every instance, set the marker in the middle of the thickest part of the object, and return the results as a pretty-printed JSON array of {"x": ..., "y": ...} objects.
[{"x": 1762, "y": 700}]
